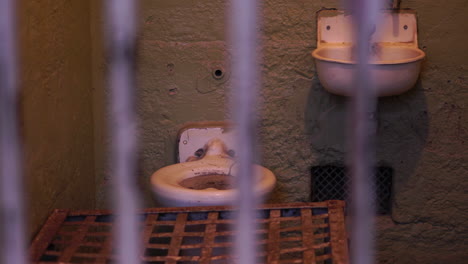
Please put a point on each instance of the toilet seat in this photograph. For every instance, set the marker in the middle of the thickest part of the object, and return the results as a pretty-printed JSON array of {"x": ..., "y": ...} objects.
[{"x": 166, "y": 182}]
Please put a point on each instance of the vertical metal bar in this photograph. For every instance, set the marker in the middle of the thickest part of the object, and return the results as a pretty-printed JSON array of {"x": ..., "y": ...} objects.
[
  {"x": 11, "y": 192},
  {"x": 362, "y": 136},
  {"x": 121, "y": 23},
  {"x": 244, "y": 22}
]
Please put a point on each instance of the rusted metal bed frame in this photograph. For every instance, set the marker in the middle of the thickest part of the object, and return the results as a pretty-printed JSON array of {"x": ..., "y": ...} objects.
[{"x": 287, "y": 233}]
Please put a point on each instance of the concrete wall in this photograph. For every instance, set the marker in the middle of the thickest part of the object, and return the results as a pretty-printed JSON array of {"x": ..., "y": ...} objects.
[
  {"x": 421, "y": 134},
  {"x": 100, "y": 103},
  {"x": 56, "y": 106}
]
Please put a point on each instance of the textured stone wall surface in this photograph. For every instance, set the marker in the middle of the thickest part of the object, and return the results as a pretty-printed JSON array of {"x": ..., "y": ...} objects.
[
  {"x": 56, "y": 106},
  {"x": 422, "y": 134}
]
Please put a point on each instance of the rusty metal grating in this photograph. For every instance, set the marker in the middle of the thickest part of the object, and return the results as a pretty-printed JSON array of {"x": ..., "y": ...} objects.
[
  {"x": 331, "y": 183},
  {"x": 287, "y": 233}
]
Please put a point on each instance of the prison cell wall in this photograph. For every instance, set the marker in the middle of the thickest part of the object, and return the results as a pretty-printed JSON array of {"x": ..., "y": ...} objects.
[
  {"x": 421, "y": 134},
  {"x": 56, "y": 106}
]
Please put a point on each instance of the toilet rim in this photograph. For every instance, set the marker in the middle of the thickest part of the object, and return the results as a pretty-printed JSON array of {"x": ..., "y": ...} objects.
[{"x": 165, "y": 181}]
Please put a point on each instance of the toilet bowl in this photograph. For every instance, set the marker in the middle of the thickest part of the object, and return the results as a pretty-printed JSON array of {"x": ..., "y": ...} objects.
[{"x": 208, "y": 179}]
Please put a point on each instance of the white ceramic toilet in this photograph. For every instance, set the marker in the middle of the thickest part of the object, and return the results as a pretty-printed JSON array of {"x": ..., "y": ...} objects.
[{"x": 208, "y": 177}]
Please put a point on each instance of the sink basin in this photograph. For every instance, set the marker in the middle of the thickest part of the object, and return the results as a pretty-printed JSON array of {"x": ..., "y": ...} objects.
[
  {"x": 395, "y": 69},
  {"x": 395, "y": 59}
]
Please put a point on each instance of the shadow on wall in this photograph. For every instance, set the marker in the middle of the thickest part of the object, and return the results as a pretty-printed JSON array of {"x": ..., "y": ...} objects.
[
  {"x": 402, "y": 132},
  {"x": 402, "y": 129}
]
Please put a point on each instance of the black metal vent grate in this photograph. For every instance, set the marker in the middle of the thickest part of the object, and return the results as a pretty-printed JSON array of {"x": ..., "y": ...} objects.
[{"x": 331, "y": 183}]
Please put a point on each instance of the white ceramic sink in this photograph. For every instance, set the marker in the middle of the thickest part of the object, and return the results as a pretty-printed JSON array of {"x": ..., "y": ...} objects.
[
  {"x": 395, "y": 69},
  {"x": 395, "y": 59}
]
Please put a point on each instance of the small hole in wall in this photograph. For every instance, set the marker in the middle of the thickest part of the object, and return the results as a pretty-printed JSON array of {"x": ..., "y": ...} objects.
[
  {"x": 328, "y": 27},
  {"x": 173, "y": 91},
  {"x": 331, "y": 182},
  {"x": 218, "y": 74},
  {"x": 170, "y": 68},
  {"x": 405, "y": 27}
]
